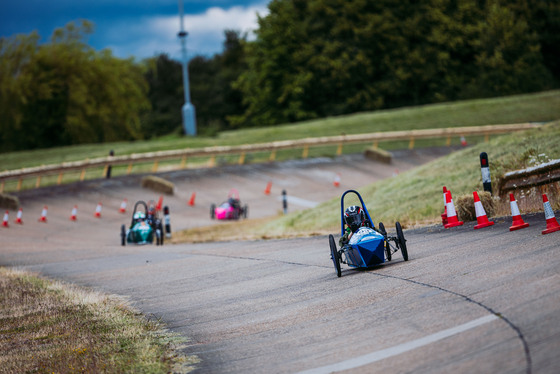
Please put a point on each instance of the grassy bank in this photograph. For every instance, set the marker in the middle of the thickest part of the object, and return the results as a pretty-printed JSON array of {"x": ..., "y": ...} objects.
[
  {"x": 415, "y": 197},
  {"x": 539, "y": 107},
  {"x": 49, "y": 327}
]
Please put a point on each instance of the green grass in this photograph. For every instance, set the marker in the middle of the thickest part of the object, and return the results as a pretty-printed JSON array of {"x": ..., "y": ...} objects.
[
  {"x": 539, "y": 107},
  {"x": 415, "y": 197},
  {"x": 50, "y": 327}
]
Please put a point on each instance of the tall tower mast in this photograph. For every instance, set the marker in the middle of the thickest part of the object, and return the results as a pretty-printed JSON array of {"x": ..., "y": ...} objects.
[{"x": 188, "y": 111}]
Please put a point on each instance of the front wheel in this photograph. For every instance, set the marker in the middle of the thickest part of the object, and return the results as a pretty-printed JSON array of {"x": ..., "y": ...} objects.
[
  {"x": 387, "y": 245},
  {"x": 334, "y": 255},
  {"x": 382, "y": 229},
  {"x": 402, "y": 241},
  {"x": 245, "y": 211},
  {"x": 212, "y": 211}
]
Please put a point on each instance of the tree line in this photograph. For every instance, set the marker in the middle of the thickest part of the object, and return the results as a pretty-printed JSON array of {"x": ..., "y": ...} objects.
[{"x": 310, "y": 59}]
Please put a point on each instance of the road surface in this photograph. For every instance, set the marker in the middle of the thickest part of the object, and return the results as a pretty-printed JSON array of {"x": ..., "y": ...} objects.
[{"x": 467, "y": 301}]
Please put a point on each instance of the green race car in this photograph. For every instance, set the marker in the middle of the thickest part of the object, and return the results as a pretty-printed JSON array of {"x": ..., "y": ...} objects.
[{"x": 145, "y": 226}]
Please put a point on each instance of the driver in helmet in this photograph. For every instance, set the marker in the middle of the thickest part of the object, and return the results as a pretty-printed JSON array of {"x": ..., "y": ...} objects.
[
  {"x": 139, "y": 217},
  {"x": 354, "y": 218}
]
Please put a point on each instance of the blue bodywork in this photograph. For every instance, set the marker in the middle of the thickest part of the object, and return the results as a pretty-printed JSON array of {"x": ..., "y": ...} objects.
[{"x": 366, "y": 246}]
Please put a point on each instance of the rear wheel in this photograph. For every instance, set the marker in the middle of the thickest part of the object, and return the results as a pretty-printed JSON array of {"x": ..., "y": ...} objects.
[
  {"x": 159, "y": 231},
  {"x": 212, "y": 211},
  {"x": 157, "y": 234},
  {"x": 123, "y": 235},
  {"x": 334, "y": 256},
  {"x": 245, "y": 211},
  {"x": 402, "y": 241}
]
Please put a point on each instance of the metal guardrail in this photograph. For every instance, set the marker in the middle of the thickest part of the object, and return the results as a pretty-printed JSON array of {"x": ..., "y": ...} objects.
[
  {"x": 531, "y": 177},
  {"x": 242, "y": 150}
]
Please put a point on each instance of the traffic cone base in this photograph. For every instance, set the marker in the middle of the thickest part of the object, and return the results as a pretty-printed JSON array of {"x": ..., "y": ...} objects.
[
  {"x": 454, "y": 224},
  {"x": 517, "y": 226},
  {"x": 551, "y": 222},
  {"x": 484, "y": 224},
  {"x": 551, "y": 229}
]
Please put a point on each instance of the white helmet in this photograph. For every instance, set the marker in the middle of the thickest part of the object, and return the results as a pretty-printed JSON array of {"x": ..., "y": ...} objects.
[{"x": 139, "y": 216}]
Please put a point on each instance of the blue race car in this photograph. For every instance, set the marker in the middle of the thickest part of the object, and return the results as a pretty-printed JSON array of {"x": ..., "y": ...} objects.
[{"x": 366, "y": 247}]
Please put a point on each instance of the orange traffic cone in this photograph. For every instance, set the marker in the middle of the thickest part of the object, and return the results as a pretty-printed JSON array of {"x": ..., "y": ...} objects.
[
  {"x": 74, "y": 214},
  {"x": 122, "y": 209},
  {"x": 159, "y": 204},
  {"x": 267, "y": 189},
  {"x": 518, "y": 222},
  {"x": 336, "y": 181},
  {"x": 444, "y": 214},
  {"x": 481, "y": 217},
  {"x": 191, "y": 201},
  {"x": 43, "y": 217},
  {"x": 97, "y": 213},
  {"x": 18, "y": 217},
  {"x": 452, "y": 220},
  {"x": 551, "y": 222},
  {"x": 6, "y": 217}
]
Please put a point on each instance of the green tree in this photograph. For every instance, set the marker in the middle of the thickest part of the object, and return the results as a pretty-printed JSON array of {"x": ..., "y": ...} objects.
[
  {"x": 317, "y": 58},
  {"x": 70, "y": 94},
  {"x": 508, "y": 56},
  {"x": 165, "y": 81},
  {"x": 213, "y": 95},
  {"x": 16, "y": 54}
]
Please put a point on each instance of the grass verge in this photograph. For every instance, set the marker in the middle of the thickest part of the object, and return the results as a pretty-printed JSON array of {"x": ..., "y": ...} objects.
[
  {"x": 538, "y": 107},
  {"x": 415, "y": 197},
  {"x": 50, "y": 327}
]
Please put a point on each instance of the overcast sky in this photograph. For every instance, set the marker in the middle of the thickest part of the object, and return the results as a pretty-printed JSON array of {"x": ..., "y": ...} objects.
[{"x": 139, "y": 28}]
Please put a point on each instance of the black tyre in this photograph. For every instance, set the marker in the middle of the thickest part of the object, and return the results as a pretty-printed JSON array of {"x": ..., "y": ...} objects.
[
  {"x": 387, "y": 245},
  {"x": 382, "y": 229},
  {"x": 212, "y": 211},
  {"x": 334, "y": 255},
  {"x": 402, "y": 241},
  {"x": 123, "y": 235},
  {"x": 245, "y": 211},
  {"x": 161, "y": 234}
]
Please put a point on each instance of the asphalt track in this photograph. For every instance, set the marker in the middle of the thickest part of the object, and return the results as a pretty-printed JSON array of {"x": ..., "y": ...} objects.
[{"x": 484, "y": 301}]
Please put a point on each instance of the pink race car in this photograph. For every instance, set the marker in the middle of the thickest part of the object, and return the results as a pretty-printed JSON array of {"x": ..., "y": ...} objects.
[{"x": 229, "y": 209}]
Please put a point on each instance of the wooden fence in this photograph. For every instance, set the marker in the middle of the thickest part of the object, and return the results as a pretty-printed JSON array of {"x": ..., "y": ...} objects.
[
  {"x": 183, "y": 155},
  {"x": 531, "y": 177}
]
